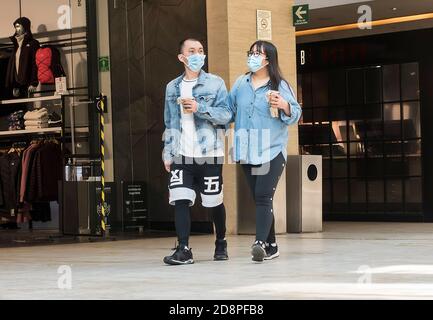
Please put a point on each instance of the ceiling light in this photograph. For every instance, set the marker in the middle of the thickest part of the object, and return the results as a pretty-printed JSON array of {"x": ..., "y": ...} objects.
[{"x": 374, "y": 23}]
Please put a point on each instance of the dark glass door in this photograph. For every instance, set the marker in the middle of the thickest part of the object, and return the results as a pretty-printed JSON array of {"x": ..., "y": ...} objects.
[{"x": 366, "y": 123}]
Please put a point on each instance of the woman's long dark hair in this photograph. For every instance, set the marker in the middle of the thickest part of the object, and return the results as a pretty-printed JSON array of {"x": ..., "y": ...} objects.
[{"x": 274, "y": 70}]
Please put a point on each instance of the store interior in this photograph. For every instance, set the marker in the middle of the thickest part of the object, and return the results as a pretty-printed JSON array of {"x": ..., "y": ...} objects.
[{"x": 44, "y": 116}]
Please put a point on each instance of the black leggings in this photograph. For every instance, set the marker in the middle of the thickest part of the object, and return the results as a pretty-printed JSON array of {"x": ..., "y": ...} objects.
[
  {"x": 183, "y": 221},
  {"x": 263, "y": 188}
]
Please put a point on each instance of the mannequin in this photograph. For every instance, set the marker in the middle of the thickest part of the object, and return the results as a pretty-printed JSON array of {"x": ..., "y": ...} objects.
[{"x": 22, "y": 73}]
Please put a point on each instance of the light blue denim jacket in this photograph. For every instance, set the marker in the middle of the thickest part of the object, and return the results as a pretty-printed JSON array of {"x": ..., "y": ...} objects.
[
  {"x": 259, "y": 137},
  {"x": 213, "y": 114}
]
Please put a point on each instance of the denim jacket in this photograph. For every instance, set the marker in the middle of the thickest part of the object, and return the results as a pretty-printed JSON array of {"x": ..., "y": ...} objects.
[
  {"x": 259, "y": 137},
  {"x": 211, "y": 118}
]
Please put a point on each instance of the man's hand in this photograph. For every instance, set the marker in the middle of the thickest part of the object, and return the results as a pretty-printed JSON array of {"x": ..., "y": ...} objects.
[
  {"x": 167, "y": 165},
  {"x": 277, "y": 101},
  {"x": 190, "y": 104}
]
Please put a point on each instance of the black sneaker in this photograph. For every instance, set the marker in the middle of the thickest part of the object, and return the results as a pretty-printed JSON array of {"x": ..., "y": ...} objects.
[
  {"x": 182, "y": 255},
  {"x": 220, "y": 250},
  {"x": 258, "y": 251},
  {"x": 271, "y": 251}
]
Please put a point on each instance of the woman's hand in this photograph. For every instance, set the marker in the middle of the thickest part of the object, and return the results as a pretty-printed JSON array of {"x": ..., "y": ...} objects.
[{"x": 277, "y": 101}]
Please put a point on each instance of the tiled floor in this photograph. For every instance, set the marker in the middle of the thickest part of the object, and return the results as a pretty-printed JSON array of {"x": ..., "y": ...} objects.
[{"x": 348, "y": 260}]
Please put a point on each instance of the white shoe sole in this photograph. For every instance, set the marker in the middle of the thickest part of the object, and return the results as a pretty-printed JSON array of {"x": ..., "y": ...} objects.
[
  {"x": 220, "y": 258},
  {"x": 275, "y": 255},
  {"x": 178, "y": 263}
]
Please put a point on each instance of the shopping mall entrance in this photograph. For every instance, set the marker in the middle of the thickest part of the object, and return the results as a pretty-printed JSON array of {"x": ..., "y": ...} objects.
[{"x": 367, "y": 105}]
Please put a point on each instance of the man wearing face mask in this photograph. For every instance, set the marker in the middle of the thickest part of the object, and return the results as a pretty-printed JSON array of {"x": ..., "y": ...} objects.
[
  {"x": 196, "y": 112},
  {"x": 22, "y": 72}
]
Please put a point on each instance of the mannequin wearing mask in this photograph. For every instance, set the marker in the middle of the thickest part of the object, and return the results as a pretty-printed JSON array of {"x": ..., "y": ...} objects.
[{"x": 22, "y": 74}]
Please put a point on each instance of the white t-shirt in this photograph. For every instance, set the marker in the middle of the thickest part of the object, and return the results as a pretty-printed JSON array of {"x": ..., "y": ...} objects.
[{"x": 189, "y": 145}]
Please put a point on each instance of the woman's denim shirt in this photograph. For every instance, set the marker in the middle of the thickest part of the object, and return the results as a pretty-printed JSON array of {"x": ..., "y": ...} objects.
[{"x": 259, "y": 137}]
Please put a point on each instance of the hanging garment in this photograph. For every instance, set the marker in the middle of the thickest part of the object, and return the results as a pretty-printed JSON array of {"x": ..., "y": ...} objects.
[
  {"x": 26, "y": 164},
  {"x": 41, "y": 211},
  {"x": 10, "y": 171},
  {"x": 49, "y": 65},
  {"x": 45, "y": 174}
]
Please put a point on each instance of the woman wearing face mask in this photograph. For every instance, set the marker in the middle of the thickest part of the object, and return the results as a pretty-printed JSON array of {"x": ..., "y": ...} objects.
[{"x": 264, "y": 106}]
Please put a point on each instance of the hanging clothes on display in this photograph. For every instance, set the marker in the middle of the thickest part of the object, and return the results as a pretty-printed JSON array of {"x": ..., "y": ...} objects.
[
  {"x": 10, "y": 171},
  {"x": 45, "y": 172},
  {"x": 29, "y": 181}
]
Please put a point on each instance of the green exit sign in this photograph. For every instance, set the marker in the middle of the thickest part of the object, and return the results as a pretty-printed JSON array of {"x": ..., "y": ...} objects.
[
  {"x": 104, "y": 64},
  {"x": 301, "y": 14}
]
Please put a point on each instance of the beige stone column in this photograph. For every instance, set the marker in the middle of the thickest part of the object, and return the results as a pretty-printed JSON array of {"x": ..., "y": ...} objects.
[{"x": 231, "y": 30}]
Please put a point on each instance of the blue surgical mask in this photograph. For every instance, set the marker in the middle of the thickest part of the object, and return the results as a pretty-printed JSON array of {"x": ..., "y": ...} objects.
[
  {"x": 196, "y": 62},
  {"x": 255, "y": 63}
]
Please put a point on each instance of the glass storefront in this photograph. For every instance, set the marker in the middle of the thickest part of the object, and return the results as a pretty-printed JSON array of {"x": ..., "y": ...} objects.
[
  {"x": 144, "y": 44},
  {"x": 362, "y": 113},
  {"x": 369, "y": 134}
]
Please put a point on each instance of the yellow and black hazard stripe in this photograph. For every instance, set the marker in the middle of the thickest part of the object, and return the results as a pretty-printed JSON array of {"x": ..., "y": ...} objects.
[{"x": 102, "y": 124}]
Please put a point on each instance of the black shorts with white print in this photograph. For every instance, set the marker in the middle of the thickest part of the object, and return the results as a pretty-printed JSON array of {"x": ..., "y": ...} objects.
[{"x": 202, "y": 174}]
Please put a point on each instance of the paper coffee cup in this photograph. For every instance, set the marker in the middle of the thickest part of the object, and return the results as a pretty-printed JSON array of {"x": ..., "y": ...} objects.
[
  {"x": 274, "y": 111},
  {"x": 180, "y": 102}
]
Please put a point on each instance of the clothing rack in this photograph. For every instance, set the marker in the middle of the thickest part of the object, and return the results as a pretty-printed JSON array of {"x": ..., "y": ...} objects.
[{"x": 24, "y": 137}]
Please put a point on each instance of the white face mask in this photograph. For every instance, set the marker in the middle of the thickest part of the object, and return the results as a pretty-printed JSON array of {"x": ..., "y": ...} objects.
[
  {"x": 255, "y": 63},
  {"x": 195, "y": 62}
]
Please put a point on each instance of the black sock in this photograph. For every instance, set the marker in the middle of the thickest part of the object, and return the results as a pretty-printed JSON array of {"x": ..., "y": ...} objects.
[
  {"x": 219, "y": 219},
  {"x": 182, "y": 221}
]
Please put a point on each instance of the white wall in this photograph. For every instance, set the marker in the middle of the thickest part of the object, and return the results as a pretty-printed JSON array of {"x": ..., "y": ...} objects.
[
  {"x": 41, "y": 13},
  {"x": 49, "y": 13},
  {"x": 10, "y": 11}
]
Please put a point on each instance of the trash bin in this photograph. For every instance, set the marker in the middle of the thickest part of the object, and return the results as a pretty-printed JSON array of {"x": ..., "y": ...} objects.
[
  {"x": 81, "y": 207},
  {"x": 304, "y": 194}
]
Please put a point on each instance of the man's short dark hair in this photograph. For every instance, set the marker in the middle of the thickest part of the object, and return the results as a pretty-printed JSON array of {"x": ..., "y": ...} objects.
[{"x": 182, "y": 43}]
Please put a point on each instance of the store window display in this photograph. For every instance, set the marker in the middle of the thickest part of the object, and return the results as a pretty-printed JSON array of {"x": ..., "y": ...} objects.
[{"x": 22, "y": 72}]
